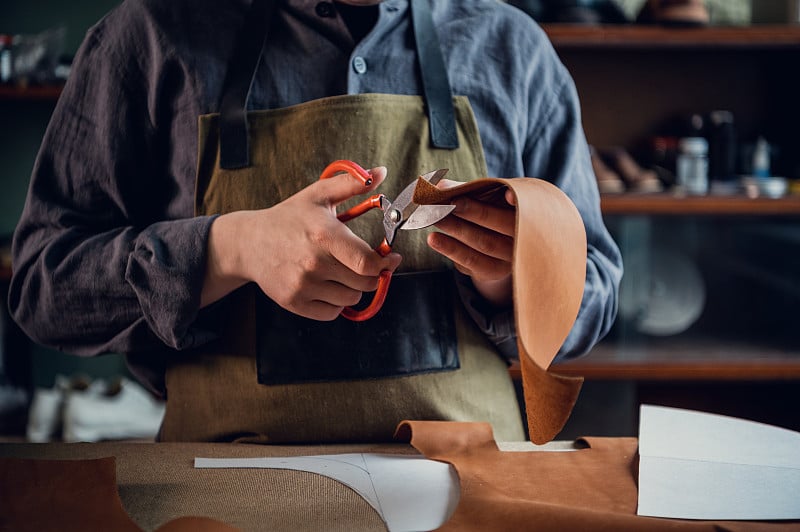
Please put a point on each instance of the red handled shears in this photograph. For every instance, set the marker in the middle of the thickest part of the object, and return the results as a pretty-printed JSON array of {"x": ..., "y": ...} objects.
[{"x": 402, "y": 213}]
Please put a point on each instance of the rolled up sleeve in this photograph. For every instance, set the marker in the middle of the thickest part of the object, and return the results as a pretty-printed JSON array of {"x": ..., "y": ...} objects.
[{"x": 102, "y": 260}]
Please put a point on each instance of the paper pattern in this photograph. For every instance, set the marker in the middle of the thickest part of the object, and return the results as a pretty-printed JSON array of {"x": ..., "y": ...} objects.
[
  {"x": 695, "y": 465},
  {"x": 408, "y": 492}
]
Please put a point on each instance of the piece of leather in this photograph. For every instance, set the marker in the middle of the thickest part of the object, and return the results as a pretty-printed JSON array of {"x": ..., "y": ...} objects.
[
  {"x": 549, "y": 272},
  {"x": 292, "y": 349},
  {"x": 592, "y": 489},
  {"x": 73, "y": 495},
  {"x": 195, "y": 524}
]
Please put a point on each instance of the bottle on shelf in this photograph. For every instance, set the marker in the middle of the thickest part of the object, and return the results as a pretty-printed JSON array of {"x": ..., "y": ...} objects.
[
  {"x": 6, "y": 58},
  {"x": 761, "y": 159},
  {"x": 692, "y": 165}
]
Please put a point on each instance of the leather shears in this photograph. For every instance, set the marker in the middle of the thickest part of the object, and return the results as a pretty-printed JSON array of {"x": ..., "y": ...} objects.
[{"x": 401, "y": 213}]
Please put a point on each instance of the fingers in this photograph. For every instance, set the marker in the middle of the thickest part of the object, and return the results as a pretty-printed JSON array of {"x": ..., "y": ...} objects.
[
  {"x": 354, "y": 254},
  {"x": 478, "y": 238},
  {"x": 324, "y": 299},
  {"x": 493, "y": 244},
  {"x": 359, "y": 271},
  {"x": 307, "y": 260},
  {"x": 468, "y": 260},
  {"x": 490, "y": 275},
  {"x": 321, "y": 292},
  {"x": 343, "y": 186},
  {"x": 499, "y": 219}
]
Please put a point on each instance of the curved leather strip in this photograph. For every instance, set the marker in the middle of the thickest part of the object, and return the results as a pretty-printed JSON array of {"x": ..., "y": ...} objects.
[
  {"x": 439, "y": 440},
  {"x": 549, "y": 270}
]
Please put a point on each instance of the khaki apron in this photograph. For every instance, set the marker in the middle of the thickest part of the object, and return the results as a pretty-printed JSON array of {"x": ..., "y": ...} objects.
[{"x": 214, "y": 393}]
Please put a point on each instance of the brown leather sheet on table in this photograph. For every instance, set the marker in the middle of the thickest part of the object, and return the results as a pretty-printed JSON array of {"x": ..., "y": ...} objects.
[
  {"x": 549, "y": 270},
  {"x": 67, "y": 487},
  {"x": 79, "y": 495},
  {"x": 591, "y": 489}
]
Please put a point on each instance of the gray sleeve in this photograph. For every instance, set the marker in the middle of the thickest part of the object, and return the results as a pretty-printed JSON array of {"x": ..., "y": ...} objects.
[
  {"x": 558, "y": 150},
  {"x": 96, "y": 269},
  {"x": 497, "y": 324}
]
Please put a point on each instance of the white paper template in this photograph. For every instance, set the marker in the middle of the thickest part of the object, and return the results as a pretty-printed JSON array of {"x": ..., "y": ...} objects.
[
  {"x": 695, "y": 465},
  {"x": 410, "y": 493}
]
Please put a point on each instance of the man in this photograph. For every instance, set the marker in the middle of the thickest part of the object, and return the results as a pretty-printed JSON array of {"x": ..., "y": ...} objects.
[{"x": 217, "y": 268}]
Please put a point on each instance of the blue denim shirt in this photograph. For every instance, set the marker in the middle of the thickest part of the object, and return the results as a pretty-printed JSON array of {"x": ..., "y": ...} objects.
[{"x": 108, "y": 256}]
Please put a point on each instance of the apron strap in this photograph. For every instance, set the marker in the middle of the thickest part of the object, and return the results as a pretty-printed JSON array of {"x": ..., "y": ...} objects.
[
  {"x": 233, "y": 129},
  {"x": 234, "y": 137},
  {"x": 436, "y": 86}
]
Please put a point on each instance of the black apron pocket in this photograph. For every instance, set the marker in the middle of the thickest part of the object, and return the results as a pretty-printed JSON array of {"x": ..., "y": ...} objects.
[{"x": 413, "y": 333}]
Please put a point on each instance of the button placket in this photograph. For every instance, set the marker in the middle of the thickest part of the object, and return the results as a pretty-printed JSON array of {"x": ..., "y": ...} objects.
[
  {"x": 325, "y": 10},
  {"x": 359, "y": 64}
]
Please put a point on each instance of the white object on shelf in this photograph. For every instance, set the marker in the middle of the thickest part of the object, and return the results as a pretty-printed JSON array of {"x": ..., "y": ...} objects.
[
  {"x": 761, "y": 159},
  {"x": 692, "y": 165},
  {"x": 662, "y": 292}
]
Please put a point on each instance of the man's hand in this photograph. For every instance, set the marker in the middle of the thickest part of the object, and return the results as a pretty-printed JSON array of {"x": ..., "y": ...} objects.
[
  {"x": 298, "y": 252},
  {"x": 479, "y": 239}
]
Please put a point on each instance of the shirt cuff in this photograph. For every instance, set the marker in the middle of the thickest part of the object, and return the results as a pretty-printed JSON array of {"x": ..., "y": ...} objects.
[
  {"x": 497, "y": 324},
  {"x": 166, "y": 269}
]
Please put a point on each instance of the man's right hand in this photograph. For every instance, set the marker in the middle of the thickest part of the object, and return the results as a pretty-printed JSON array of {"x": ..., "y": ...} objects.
[{"x": 298, "y": 252}]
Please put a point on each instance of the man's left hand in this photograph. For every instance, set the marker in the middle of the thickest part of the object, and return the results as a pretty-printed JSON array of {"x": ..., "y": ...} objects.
[{"x": 479, "y": 238}]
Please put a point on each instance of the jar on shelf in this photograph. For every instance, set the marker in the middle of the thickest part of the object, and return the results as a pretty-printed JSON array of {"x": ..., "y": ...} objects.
[
  {"x": 692, "y": 165},
  {"x": 6, "y": 58}
]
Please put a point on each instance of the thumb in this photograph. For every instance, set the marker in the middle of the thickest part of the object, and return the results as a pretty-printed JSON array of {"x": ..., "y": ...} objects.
[
  {"x": 511, "y": 199},
  {"x": 343, "y": 186}
]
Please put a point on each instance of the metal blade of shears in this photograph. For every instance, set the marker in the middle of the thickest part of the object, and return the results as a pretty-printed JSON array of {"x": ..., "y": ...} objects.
[
  {"x": 426, "y": 215},
  {"x": 403, "y": 210}
]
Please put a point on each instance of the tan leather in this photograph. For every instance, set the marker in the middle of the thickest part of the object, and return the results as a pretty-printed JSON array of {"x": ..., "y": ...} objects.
[
  {"x": 549, "y": 271},
  {"x": 158, "y": 485},
  {"x": 592, "y": 489},
  {"x": 74, "y": 495}
]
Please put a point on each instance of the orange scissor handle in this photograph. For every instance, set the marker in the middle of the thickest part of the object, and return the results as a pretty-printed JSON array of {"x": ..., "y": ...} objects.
[
  {"x": 349, "y": 167},
  {"x": 383, "y": 249}
]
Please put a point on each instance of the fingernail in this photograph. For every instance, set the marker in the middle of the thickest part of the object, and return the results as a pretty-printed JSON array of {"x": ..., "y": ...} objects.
[{"x": 377, "y": 169}]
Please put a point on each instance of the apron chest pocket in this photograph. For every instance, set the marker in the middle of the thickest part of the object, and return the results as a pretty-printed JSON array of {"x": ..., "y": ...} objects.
[{"x": 413, "y": 333}]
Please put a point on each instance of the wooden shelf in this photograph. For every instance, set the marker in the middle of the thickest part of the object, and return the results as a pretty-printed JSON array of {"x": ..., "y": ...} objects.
[
  {"x": 32, "y": 93},
  {"x": 667, "y": 204},
  {"x": 626, "y": 37},
  {"x": 713, "y": 360}
]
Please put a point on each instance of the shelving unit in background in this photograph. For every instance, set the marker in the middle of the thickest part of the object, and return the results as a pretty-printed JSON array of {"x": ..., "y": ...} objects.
[
  {"x": 47, "y": 93},
  {"x": 633, "y": 81}
]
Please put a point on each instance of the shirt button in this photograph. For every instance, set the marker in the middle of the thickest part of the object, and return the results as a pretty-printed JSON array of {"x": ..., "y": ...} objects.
[
  {"x": 325, "y": 9},
  {"x": 359, "y": 64}
]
